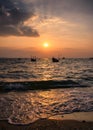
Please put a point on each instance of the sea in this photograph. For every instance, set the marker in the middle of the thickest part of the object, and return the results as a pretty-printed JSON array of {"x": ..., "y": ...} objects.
[{"x": 30, "y": 91}]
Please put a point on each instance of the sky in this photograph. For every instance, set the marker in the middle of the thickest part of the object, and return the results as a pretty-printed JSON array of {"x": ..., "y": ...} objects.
[{"x": 65, "y": 25}]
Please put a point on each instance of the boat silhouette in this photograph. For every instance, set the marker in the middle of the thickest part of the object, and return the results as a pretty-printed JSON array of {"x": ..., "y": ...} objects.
[
  {"x": 91, "y": 58},
  {"x": 55, "y": 59},
  {"x": 63, "y": 58},
  {"x": 33, "y": 59}
]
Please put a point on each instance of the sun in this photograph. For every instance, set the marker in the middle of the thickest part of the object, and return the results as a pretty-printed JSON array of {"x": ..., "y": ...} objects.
[{"x": 46, "y": 45}]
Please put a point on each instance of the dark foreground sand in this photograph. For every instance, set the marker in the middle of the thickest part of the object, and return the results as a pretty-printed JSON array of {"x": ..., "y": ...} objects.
[
  {"x": 51, "y": 124},
  {"x": 74, "y": 121}
]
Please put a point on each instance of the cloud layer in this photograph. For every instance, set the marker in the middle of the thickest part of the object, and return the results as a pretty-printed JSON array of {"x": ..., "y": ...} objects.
[
  {"x": 13, "y": 14},
  {"x": 70, "y": 10}
]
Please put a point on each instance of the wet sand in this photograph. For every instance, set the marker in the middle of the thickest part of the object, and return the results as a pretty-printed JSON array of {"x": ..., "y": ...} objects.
[
  {"x": 67, "y": 122},
  {"x": 79, "y": 116}
]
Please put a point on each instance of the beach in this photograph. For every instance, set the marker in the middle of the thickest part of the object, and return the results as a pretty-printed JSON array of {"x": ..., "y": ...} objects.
[
  {"x": 67, "y": 122},
  {"x": 74, "y": 121}
]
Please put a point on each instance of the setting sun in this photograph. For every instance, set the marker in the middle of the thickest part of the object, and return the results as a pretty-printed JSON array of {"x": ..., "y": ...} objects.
[{"x": 46, "y": 45}]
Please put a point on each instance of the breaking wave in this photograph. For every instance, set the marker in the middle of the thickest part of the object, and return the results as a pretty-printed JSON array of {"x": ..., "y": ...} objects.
[{"x": 38, "y": 85}]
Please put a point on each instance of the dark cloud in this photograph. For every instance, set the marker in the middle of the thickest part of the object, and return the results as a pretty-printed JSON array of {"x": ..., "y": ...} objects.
[{"x": 13, "y": 14}]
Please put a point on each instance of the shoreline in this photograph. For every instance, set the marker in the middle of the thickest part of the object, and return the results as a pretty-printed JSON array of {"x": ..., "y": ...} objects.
[
  {"x": 79, "y": 116},
  {"x": 66, "y": 122}
]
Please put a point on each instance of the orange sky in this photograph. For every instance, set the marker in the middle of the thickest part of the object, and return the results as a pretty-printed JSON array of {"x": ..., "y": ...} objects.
[{"x": 68, "y": 33}]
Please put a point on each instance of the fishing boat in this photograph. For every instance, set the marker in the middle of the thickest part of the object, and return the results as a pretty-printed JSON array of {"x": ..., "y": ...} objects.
[
  {"x": 33, "y": 59},
  {"x": 91, "y": 58},
  {"x": 63, "y": 58},
  {"x": 55, "y": 59}
]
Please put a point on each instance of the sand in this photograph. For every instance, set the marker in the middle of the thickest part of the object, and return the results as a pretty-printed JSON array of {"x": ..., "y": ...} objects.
[
  {"x": 66, "y": 123},
  {"x": 46, "y": 124},
  {"x": 79, "y": 116}
]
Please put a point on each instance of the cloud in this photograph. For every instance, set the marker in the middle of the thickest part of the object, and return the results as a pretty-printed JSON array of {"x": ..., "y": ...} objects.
[
  {"x": 13, "y": 15},
  {"x": 86, "y": 6},
  {"x": 72, "y": 10}
]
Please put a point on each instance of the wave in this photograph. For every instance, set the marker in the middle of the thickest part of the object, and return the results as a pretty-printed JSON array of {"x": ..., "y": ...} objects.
[{"x": 38, "y": 85}]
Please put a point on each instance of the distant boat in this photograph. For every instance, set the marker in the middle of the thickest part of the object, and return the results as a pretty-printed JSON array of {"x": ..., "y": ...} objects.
[
  {"x": 33, "y": 59},
  {"x": 91, "y": 58},
  {"x": 63, "y": 57},
  {"x": 55, "y": 59}
]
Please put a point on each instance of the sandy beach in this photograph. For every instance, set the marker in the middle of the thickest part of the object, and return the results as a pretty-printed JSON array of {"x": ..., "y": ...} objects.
[
  {"x": 46, "y": 124},
  {"x": 67, "y": 123}
]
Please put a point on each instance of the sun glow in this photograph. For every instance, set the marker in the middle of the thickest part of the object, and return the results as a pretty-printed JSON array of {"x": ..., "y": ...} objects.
[{"x": 46, "y": 45}]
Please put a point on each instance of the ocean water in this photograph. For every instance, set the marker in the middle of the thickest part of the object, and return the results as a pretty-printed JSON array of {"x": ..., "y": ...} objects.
[{"x": 27, "y": 94}]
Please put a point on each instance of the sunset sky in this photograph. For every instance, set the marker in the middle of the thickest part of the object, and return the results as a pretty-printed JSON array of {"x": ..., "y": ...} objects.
[{"x": 65, "y": 25}]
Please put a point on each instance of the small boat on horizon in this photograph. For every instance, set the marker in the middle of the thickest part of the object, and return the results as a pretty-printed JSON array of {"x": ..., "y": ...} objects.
[
  {"x": 33, "y": 59},
  {"x": 55, "y": 59},
  {"x": 91, "y": 58},
  {"x": 63, "y": 58}
]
